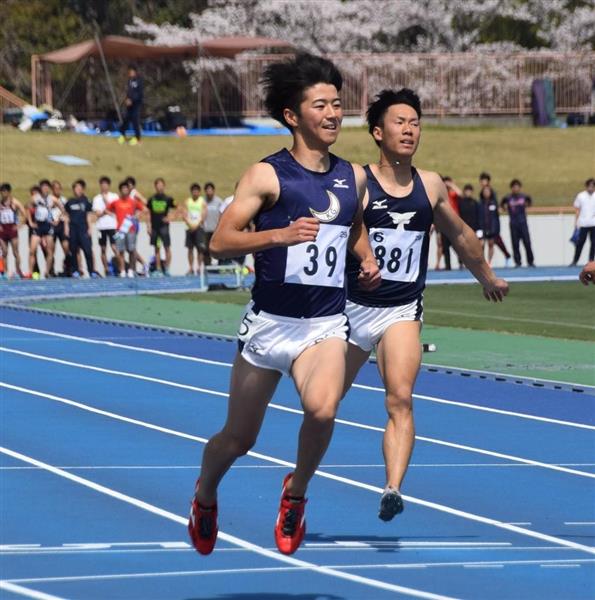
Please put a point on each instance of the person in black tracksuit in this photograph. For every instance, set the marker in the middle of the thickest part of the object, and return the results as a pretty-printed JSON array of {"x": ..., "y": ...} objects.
[
  {"x": 78, "y": 209},
  {"x": 134, "y": 100}
]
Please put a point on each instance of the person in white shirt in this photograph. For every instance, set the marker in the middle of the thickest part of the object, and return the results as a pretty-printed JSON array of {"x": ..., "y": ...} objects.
[
  {"x": 106, "y": 221},
  {"x": 584, "y": 203}
]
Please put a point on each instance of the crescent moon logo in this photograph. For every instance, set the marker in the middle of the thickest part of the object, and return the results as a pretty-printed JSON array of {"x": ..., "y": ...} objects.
[{"x": 332, "y": 212}]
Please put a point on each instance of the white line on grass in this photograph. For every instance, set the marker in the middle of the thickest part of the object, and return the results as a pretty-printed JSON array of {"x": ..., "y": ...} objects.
[
  {"x": 226, "y": 364},
  {"x": 331, "y": 476},
  {"x": 231, "y": 539},
  {"x": 280, "y": 407},
  {"x": 515, "y": 319}
]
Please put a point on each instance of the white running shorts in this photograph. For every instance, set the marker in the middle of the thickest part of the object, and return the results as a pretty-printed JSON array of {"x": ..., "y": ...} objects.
[
  {"x": 274, "y": 342},
  {"x": 368, "y": 323}
]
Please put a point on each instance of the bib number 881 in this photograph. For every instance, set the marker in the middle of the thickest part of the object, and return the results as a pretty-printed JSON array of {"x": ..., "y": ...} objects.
[{"x": 391, "y": 263}]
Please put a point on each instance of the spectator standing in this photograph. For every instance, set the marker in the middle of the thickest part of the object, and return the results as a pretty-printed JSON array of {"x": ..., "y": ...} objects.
[
  {"x": 160, "y": 206},
  {"x": 489, "y": 218},
  {"x": 125, "y": 208},
  {"x": 213, "y": 213},
  {"x": 134, "y": 101},
  {"x": 80, "y": 210},
  {"x": 516, "y": 204},
  {"x": 136, "y": 195},
  {"x": 106, "y": 221},
  {"x": 11, "y": 213},
  {"x": 41, "y": 231},
  {"x": 584, "y": 204},
  {"x": 469, "y": 209},
  {"x": 454, "y": 194},
  {"x": 194, "y": 215},
  {"x": 60, "y": 225}
]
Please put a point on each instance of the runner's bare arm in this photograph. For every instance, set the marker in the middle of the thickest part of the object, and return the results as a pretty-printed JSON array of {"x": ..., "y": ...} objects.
[
  {"x": 21, "y": 210},
  {"x": 359, "y": 243},
  {"x": 258, "y": 188},
  {"x": 465, "y": 242}
]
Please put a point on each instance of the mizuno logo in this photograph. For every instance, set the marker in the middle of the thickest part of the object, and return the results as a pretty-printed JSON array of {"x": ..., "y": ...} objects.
[
  {"x": 340, "y": 183},
  {"x": 401, "y": 218},
  {"x": 379, "y": 204}
]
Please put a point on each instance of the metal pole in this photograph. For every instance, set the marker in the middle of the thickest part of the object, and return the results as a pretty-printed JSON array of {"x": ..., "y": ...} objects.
[{"x": 107, "y": 75}]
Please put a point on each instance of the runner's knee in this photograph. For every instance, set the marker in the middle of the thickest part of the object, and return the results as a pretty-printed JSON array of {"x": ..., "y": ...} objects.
[{"x": 399, "y": 401}]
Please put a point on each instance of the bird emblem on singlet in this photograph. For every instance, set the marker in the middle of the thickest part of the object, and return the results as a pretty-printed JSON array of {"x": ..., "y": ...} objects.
[
  {"x": 402, "y": 219},
  {"x": 332, "y": 212}
]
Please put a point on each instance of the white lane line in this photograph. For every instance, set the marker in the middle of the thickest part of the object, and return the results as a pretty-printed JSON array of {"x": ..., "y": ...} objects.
[
  {"x": 272, "y": 405},
  {"x": 231, "y": 539},
  {"x": 579, "y": 522},
  {"x": 360, "y": 466},
  {"x": 22, "y": 591},
  {"x": 226, "y": 364},
  {"x": 559, "y": 566},
  {"x": 349, "y": 567},
  {"x": 325, "y": 474}
]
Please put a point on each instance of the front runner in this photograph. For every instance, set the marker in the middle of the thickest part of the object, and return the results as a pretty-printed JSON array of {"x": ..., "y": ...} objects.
[
  {"x": 304, "y": 202},
  {"x": 400, "y": 206}
]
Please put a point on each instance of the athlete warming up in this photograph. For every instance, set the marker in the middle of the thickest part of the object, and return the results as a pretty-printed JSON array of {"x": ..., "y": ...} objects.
[
  {"x": 306, "y": 206},
  {"x": 400, "y": 205}
]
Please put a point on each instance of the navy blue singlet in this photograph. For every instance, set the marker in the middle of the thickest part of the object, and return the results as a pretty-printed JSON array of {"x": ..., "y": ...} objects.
[
  {"x": 306, "y": 280},
  {"x": 399, "y": 235}
]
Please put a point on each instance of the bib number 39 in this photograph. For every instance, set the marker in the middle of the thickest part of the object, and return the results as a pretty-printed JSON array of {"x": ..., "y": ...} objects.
[{"x": 321, "y": 262}]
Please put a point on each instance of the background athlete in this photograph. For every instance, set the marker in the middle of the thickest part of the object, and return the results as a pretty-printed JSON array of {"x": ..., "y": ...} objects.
[
  {"x": 303, "y": 203},
  {"x": 400, "y": 205}
]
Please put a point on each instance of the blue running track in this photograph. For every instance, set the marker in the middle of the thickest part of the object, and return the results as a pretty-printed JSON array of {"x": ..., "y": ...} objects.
[{"x": 102, "y": 430}]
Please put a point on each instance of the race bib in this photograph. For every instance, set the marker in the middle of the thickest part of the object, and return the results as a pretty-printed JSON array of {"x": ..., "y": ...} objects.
[
  {"x": 127, "y": 225},
  {"x": 41, "y": 213},
  {"x": 397, "y": 252},
  {"x": 7, "y": 216},
  {"x": 321, "y": 262}
]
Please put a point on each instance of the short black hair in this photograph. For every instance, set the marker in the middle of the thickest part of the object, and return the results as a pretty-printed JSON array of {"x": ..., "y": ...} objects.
[
  {"x": 5, "y": 187},
  {"x": 284, "y": 82},
  {"x": 194, "y": 186},
  {"x": 484, "y": 175},
  {"x": 446, "y": 178},
  {"x": 132, "y": 67},
  {"x": 80, "y": 182},
  {"x": 35, "y": 188},
  {"x": 130, "y": 180},
  {"x": 105, "y": 179},
  {"x": 516, "y": 182},
  {"x": 385, "y": 99},
  {"x": 209, "y": 184},
  {"x": 123, "y": 184},
  {"x": 589, "y": 181},
  {"x": 159, "y": 179},
  {"x": 45, "y": 182},
  {"x": 468, "y": 186}
]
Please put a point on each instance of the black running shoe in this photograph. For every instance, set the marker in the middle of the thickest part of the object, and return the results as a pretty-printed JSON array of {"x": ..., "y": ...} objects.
[{"x": 391, "y": 504}]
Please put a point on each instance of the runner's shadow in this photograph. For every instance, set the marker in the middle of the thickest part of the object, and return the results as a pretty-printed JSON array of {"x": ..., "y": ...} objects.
[{"x": 385, "y": 543}]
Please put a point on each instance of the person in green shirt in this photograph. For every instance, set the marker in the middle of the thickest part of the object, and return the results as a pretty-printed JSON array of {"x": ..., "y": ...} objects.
[
  {"x": 160, "y": 206},
  {"x": 194, "y": 214}
]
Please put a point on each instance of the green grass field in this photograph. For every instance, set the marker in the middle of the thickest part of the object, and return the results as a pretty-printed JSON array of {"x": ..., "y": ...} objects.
[
  {"x": 541, "y": 330},
  {"x": 461, "y": 152},
  {"x": 551, "y": 309}
]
